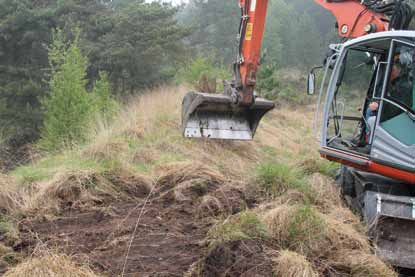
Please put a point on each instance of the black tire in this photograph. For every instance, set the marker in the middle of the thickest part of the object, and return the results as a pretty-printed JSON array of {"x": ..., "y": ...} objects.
[{"x": 345, "y": 180}]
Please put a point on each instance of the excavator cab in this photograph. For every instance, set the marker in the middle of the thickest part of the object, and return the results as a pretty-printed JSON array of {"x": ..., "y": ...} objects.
[
  {"x": 369, "y": 118},
  {"x": 368, "y": 125},
  {"x": 218, "y": 116}
]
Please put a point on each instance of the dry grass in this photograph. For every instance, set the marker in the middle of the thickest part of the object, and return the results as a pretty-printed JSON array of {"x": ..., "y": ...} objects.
[
  {"x": 361, "y": 264},
  {"x": 81, "y": 188},
  {"x": 50, "y": 265},
  {"x": 306, "y": 230},
  {"x": 144, "y": 143},
  {"x": 10, "y": 199},
  {"x": 292, "y": 264},
  {"x": 325, "y": 191}
]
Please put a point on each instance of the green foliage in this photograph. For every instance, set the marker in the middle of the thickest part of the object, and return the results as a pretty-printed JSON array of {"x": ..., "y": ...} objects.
[
  {"x": 68, "y": 105},
  {"x": 144, "y": 41},
  {"x": 201, "y": 67},
  {"x": 305, "y": 228},
  {"x": 244, "y": 226},
  {"x": 321, "y": 166},
  {"x": 275, "y": 179},
  {"x": 214, "y": 26},
  {"x": 268, "y": 83},
  {"x": 102, "y": 100},
  {"x": 137, "y": 43}
]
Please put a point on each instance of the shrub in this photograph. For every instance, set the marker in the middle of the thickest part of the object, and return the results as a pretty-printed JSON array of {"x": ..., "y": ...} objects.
[
  {"x": 202, "y": 68},
  {"x": 103, "y": 102},
  {"x": 68, "y": 107},
  {"x": 268, "y": 83}
]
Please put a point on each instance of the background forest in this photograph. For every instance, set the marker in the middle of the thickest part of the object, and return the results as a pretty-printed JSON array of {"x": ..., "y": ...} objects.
[{"x": 139, "y": 45}]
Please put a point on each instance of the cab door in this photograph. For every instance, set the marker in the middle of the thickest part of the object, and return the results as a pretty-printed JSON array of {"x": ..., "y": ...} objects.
[{"x": 394, "y": 137}]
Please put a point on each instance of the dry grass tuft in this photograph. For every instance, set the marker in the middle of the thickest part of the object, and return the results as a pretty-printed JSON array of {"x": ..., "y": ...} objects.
[
  {"x": 306, "y": 230},
  {"x": 326, "y": 195},
  {"x": 361, "y": 264},
  {"x": 50, "y": 265},
  {"x": 182, "y": 173},
  {"x": 10, "y": 200},
  {"x": 292, "y": 264}
]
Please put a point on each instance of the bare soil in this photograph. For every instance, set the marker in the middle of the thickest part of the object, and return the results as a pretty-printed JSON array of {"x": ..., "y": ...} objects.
[{"x": 170, "y": 237}]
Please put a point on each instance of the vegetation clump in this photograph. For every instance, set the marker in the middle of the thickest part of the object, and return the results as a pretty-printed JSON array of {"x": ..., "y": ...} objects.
[
  {"x": 305, "y": 230},
  {"x": 244, "y": 226},
  {"x": 277, "y": 178},
  {"x": 50, "y": 265},
  {"x": 292, "y": 264},
  {"x": 69, "y": 108}
]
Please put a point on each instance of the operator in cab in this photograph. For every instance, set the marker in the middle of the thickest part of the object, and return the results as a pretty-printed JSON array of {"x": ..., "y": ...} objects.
[{"x": 399, "y": 89}]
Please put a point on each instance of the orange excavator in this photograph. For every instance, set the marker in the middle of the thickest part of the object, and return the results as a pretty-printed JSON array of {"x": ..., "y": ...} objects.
[{"x": 365, "y": 110}]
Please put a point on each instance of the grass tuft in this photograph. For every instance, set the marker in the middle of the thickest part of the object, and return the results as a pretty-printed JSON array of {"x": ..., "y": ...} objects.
[
  {"x": 305, "y": 230},
  {"x": 361, "y": 264},
  {"x": 244, "y": 226},
  {"x": 50, "y": 265},
  {"x": 276, "y": 179},
  {"x": 292, "y": 264}
]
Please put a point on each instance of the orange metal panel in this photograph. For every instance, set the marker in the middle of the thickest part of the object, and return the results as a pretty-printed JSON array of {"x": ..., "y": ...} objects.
[
  {"x": 354, "y": 19},
  {"x": 251, "y": 48}
]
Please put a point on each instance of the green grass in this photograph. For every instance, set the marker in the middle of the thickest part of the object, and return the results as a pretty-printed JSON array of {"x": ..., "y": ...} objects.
[
  {"x": 305, "y": 227},
  {"x": 276, "y": 178},
  {"x": 59, "y": 163},
  {"x": 311, "y": 166},
  {"x": 244, "y": 226}
]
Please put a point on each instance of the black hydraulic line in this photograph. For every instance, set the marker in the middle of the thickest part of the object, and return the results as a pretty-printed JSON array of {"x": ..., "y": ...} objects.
[{"x": 242, "y": 32}]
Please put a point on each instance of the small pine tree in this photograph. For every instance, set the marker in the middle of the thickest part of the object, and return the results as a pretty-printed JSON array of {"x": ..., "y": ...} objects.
[
  {"x": 67, "y": 105},
  {"x": 103, "y": 102}
]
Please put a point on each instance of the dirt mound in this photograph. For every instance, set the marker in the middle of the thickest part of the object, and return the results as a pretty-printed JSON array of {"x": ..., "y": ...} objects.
[
  {"x": 84, "y": 190},
  {"x": 236, "y": 258},
  {"x": 226, "y": 200},
  {"x": 173, "y": 222}
]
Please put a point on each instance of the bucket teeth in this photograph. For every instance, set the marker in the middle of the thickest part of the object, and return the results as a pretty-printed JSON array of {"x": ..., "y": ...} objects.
[{"x": 215, "y": 116}]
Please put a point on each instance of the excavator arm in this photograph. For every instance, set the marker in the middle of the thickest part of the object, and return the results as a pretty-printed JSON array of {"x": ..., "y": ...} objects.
[{"x": 236, "y": 113}]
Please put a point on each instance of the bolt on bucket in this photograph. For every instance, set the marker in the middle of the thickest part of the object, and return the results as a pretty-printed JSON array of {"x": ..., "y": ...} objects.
[{"x": 215, "y": 116}]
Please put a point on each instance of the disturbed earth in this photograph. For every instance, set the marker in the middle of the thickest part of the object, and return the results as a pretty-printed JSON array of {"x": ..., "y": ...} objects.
[{"x": 172, "y": 224}]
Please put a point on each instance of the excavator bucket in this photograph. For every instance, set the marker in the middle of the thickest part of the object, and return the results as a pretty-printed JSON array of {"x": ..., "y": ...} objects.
[
  {"x": 215, "y": 116},
  {"x": 391, "y": 222}
]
